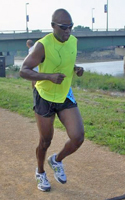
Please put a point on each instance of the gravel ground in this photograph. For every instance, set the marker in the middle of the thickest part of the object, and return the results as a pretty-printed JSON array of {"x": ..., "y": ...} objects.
[{"x": 93, "y": 172}]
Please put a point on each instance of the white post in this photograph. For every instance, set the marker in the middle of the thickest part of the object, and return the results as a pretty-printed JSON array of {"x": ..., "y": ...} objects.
[
  {"x": 107, "y": 14},
  {"x": 124, "y": 65},
  {"x": 26, "y": 18},
  {"x": 92, "y": 18}
]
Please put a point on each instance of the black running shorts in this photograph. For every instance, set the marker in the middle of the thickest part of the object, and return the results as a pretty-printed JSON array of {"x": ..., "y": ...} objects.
[{"x": 46, "y": 108}]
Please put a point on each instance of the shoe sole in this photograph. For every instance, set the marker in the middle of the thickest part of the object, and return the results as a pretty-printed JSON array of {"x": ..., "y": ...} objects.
[{"x": 43, "y": 190}]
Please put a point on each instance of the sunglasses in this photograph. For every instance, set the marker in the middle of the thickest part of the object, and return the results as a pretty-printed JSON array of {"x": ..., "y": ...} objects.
[{"x": 64, "y": 26}]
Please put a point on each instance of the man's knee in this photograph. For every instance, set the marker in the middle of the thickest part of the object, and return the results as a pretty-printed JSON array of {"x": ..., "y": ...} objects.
[
  {"x": 44, "y": 144},
  {"x": 79, "y": 140}
]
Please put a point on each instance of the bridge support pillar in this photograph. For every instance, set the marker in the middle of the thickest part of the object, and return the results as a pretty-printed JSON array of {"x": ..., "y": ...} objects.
[{"x": 121, "y": 51}]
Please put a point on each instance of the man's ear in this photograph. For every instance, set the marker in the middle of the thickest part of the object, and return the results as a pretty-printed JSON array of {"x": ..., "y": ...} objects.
[{"x": 52, "y": 24}]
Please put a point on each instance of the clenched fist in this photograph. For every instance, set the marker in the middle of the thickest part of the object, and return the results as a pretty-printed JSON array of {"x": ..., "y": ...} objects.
[
  {"x": 57, "y": 78},
  {"x": 78, "y": 70}
]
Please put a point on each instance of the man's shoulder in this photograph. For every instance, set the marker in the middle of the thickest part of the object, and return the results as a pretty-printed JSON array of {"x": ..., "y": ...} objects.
[
  {"x": 73, "y": 37},
  {"x": 46, "y": 38}
]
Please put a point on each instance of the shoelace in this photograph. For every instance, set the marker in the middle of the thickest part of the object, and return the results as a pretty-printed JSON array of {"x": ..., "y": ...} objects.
[
  {"x": 60, "y": 169},
  {"x": 45, "y": 180}
]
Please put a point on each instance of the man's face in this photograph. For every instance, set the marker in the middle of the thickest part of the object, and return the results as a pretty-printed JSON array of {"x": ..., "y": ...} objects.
[{"x": 62, "y": 28}]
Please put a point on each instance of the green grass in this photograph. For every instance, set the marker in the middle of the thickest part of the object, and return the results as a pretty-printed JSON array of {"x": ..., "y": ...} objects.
[
  {"x": 104, "y": 119},
  {"x": 103, "y": 114},
  {"x": 96, "y": 81},
  {"x": 16, "y": 95}
]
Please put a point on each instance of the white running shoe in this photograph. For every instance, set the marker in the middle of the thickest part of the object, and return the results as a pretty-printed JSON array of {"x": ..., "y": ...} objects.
[
  {"x": 58, "y": 169},
  {"x": 42, "y": 181}
]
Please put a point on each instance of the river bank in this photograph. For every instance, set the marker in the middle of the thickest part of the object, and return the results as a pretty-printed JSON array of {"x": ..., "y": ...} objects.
[
  {"x": 98, "y": 56},
  {"x": 95, "y": 56},
  {"x": 102, "y": 62}
]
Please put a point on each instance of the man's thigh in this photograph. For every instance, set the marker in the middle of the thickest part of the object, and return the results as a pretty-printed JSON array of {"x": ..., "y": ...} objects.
[
  {"x": 45, "y": 126},
  {"x": 72, "y": 120}
]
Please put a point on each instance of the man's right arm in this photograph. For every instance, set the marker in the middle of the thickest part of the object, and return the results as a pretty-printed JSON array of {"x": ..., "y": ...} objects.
[{"x": 33, "y": 60}]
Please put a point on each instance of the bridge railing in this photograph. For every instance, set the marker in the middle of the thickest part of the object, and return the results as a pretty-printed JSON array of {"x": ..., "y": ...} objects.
[
  {"x": 50, "y": 30},
  {"x": 24, "y": 31}
]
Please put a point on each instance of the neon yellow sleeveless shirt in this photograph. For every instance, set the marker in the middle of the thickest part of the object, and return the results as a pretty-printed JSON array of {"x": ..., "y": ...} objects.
[{"x": 59, "y": 58}]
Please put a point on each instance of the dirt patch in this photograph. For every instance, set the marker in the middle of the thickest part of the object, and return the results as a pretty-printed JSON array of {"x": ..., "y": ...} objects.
[{"x": 93, "y": 172}]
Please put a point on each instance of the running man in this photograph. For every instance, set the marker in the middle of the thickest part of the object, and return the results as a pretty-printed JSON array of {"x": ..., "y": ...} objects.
[{"x": 55, "y": 54}]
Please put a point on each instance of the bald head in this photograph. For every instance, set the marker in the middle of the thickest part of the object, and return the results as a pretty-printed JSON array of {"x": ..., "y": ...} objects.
[{"x": 61, "y": 15}]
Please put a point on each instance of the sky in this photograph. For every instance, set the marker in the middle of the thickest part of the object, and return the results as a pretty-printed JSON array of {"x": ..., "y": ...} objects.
[{"x": 13, "y": 13}]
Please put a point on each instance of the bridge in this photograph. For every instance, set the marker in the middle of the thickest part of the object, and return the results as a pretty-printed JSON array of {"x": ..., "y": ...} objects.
[{"x": 87, "y": 40}]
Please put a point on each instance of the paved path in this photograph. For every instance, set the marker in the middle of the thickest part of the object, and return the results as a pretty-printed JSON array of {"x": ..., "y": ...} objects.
[{"x": 93, "y": 172}]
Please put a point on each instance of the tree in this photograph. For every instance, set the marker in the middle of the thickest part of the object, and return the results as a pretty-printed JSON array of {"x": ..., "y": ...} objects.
[{"x": 81, "y": 28}]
